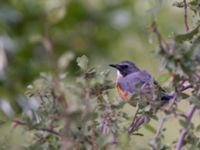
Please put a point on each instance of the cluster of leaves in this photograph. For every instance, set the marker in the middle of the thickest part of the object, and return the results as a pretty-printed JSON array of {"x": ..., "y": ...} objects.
[
  {"x": 82, "y": 113},
  {"x": 91, "y": 119},
  {"x": 181, "y": 57}
]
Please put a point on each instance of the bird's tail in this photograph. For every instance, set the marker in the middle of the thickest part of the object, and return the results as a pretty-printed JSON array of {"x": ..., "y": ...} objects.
[{"x": 165, "y": 97}]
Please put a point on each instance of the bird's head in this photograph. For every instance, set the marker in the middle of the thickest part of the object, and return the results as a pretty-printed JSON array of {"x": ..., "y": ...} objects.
[{"x": 125, "y": 67}]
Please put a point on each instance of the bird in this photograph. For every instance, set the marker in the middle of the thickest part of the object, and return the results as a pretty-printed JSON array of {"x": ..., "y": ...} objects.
[{"x": 131, "y": 81}]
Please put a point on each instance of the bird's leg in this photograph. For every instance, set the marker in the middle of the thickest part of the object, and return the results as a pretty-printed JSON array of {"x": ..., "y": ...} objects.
[{"x": 130, "y": 129}]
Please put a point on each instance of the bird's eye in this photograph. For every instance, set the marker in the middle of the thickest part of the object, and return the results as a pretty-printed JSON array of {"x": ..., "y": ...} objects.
[{"x": 125, "y": 66}]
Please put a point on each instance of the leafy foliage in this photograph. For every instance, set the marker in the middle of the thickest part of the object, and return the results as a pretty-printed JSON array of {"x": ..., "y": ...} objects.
[{"x": 71, "y": 104}]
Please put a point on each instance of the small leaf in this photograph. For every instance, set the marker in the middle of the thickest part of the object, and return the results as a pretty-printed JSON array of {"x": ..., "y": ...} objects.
[
  {"x": 82, "y": 62},
  {"x": 2, "y": 122},
  {"x": 150, "y": 128},
  {"x": 118, "y": 106},
  {"x": 187, "y": 36},
  {"x": 147, "y": 108},
  {"x": 184, "y": 95},
  {"x": 163, "y": 77},
  {"x": 182, "y": 123},
  {"x": 194, "y": 100},
  {"x": 138, "y": 134},
  {"x": 178, "y": 4},
  {"x": 198, "y": 128},
  {"x": 90, "y": 73},
  {"x": 65, "y": 59}
]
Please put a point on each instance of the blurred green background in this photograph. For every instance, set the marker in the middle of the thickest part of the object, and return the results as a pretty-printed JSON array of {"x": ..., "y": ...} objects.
[{"x": 107, "y": 31}]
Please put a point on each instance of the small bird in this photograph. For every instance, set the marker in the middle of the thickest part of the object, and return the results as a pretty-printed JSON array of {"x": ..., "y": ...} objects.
[{"x": 131, "y": 81}]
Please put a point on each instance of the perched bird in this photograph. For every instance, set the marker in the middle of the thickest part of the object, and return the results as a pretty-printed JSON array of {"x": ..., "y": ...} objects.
[{"x": 131, "y": 81}]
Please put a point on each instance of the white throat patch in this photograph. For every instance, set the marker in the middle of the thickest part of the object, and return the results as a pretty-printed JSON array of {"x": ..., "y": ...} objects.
[{"x": 119, "y": 75}]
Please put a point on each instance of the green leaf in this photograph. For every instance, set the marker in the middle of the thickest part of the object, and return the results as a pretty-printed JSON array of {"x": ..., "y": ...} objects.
[
  {"x": 178, "y": 4},
  {"x": 90, "y": 73},
  {"x": 184, "y": 95},
  {"x": 65, "y": 60},
  {"x": 150, "y": 128},
  {"x": 82, "y": 62},
  {"x": 194, "y": 100},
  {"x": 2, "y": 122},
  {"x": 187, "y": 36},
  {"x": 198, "y": 128},
  {"x": 3, "y": 117},
  {"x": 182, "y": 123},
  {"x": 118, "y": 106},
  {"x": 163, "y": 77}
]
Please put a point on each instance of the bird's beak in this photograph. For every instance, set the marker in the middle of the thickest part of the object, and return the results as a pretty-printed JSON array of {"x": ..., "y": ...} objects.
[
  {"x": 116, "y": 66},
  {"x": 113, "y": 65}
]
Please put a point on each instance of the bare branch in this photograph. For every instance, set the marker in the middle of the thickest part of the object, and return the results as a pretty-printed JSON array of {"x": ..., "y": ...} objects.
[
  {"x": 162, "y": 43},
  {"x": 184, "y": 130},
  {"x": 183, "y": 88},
  {"x": 48, "y": 44},
  {"x": 163, "y": 119},
  {"x": 19, "y": 122},
  {"x": 168, "y": 110}
]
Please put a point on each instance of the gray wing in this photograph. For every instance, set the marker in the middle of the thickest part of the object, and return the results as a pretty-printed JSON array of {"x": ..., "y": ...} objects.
[{"x": 130, "y": 82}]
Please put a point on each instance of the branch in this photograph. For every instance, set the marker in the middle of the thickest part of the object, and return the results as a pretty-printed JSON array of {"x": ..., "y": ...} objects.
[
  {"x": 169, "y": 109},
  {"x": 93, "y": 141},
  {"x": 163, "y": 119},
  {"x": 162, "y": 43},
  {"x": 184, "y": 130},
  {"x": 48, "y": 44},
  {"x": 185, "y": 16},
  {"x": 19, "y": 122},
  {"x": 183, "y": 88}
]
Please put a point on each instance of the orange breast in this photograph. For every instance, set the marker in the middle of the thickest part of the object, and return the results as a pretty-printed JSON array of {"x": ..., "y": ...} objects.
[{"x": 122, "y": 94}]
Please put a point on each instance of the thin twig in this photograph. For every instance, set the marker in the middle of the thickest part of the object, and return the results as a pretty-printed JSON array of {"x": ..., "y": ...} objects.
[
  {"x": 169, "y": 109},
  {"x": 163, "y": 119},
  {"x": 184, "y": 130},
  {"x": 19, "y": 122},
  {"x": 93, "y": 141},
  {"x": 183, "y": 88},
  {"x": 48, "y": 44},
  {"x": 162, "y": 43},
  {"x": 87, "y": 98},
  {"x": 185, "y": 16},
  {"x": 131, "y": 127}
]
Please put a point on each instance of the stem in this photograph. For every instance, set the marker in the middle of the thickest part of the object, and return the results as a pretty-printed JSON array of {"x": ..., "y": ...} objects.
[
  {"x": 19, "y": 122},
  {"x": 163, "y": 119},
  {"x": 131, "y": 127},
  {"x": 184, "y": 130},
  {"x": 185, "y": 16},
  {"x": 185, "y": 87},
  {"x": 93, "y": 141},
  {"x": 162, "y": 43},
  {"x": 169, "y": 109},
  {"x": 48, "y": 44}
]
